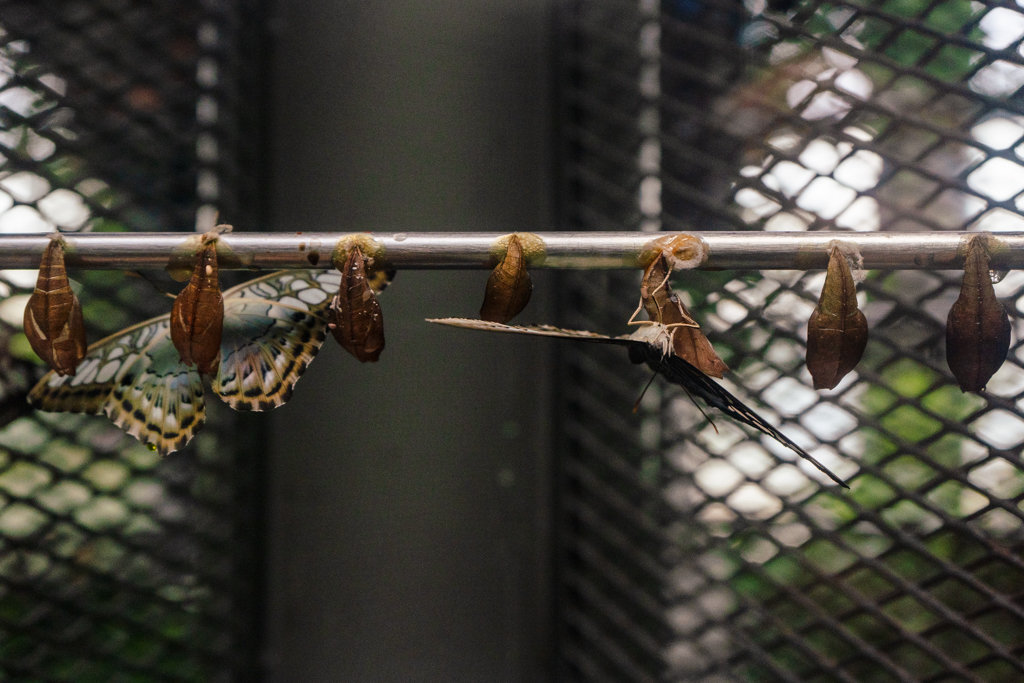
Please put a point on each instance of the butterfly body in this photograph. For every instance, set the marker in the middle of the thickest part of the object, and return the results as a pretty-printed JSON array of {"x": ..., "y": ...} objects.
[
  {"x": 657, "y": 337},
  {"x": 273, "y": 327}
]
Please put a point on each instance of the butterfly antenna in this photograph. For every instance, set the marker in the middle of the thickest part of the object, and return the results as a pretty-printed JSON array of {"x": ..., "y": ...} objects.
[
  {"x": 154, "y": 285},
  {"x": 636, "y": 406},
  {"x": 706, "y": 416},
  {"x": 690, "y": 396}
]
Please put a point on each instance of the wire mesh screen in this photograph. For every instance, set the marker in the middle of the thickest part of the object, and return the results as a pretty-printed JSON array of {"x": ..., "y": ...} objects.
[
  {"x": 695, "y": 552},
  {"x": 115, "y": 564}
]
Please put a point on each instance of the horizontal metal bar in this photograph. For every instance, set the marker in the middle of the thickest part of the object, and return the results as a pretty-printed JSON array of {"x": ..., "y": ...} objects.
[{"x": 479, "y": 250}]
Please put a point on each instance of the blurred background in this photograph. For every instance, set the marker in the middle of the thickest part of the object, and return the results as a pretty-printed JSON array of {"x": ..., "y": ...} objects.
[{"x": 490, "y": 509}]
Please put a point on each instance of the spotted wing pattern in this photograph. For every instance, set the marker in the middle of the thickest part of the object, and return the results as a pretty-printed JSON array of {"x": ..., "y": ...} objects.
[
  {"x": 137, "y": 379},
  {"x": 273, "y": 327}
]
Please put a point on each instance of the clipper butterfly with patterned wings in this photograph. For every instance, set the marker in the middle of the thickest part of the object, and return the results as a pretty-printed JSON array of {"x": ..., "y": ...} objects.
[
  {"x": 273, "y": 328},
  {"x": 653, "y": 345}
]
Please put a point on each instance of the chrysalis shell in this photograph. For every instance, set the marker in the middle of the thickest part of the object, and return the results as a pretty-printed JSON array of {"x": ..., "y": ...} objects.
[
  {"x": 356, "y": 319},
  {"x": 53, "y": 317},
  {"x": 837, "y": 332},
  {"x": 978, "y": 328},
  {"x": 197, "y": 317},
  {"x": 509, "y": 286}
]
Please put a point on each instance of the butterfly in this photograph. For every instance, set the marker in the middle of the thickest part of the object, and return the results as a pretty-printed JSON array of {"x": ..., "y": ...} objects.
[
  {"x": 273, "y": 327},
  {"x": 652, "y": 345}
]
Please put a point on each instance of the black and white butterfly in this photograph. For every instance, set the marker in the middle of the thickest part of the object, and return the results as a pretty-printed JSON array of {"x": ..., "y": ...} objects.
[{"x": 652, "y": 344}]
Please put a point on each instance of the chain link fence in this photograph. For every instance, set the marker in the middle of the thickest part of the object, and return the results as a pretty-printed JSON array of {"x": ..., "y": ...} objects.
[
  {"x": 115, "y": 564},
  {"x": 690, "y": 553}
]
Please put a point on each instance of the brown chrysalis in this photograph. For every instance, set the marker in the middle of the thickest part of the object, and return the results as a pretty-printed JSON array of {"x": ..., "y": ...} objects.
[
  {"x": 508, "y": 287},
  {"x": 197, "y": 317},
  {"x": 837, "y": 332},
  {"x": 978, "y": 328},
  {"x": 664, "y": 307},
  {"x": 53, "y": 317},
  {"x": 355, "y": 316}
]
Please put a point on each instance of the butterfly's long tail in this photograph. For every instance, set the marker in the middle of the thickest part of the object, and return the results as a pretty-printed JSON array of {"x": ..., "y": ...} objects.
[{"x": 678, "y": 371}]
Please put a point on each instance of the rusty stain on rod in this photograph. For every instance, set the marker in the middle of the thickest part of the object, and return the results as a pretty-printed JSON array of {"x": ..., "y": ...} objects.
[{"x": 565, "y": 250}]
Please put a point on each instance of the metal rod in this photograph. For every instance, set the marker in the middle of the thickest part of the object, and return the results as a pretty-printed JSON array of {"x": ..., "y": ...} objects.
[{"x": 479, "y": 250}]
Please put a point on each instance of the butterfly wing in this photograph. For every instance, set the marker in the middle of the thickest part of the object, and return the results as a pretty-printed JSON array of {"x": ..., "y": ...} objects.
[
  {"x": 535, "y": 330},
  {"x": 273, "y": 328},
  {"x": 678, "y": 371},
  {"x": 137, "y": 379},
  {"x": 645, "y": 347}
]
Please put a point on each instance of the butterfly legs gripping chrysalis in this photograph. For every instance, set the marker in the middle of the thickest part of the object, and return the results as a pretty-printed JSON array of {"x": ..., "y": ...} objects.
[
  {"x": 658, "y": 310},
  {"x": 53, "y": 317},
  {"x": 356, "y": 319},
  {"x": 665, "y": 312},
  {"x": 197, "y": 317},
  {"x": 664, "y": 308}
]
